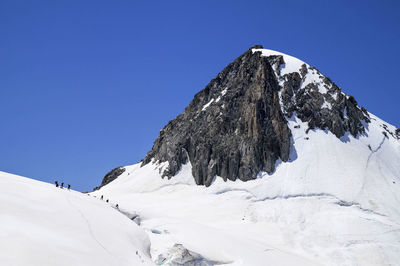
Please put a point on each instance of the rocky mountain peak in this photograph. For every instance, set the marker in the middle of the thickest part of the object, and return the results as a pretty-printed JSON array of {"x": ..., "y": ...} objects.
[
  {"x": 313, "y": 97},
  {"x": 236, "y": 127}
]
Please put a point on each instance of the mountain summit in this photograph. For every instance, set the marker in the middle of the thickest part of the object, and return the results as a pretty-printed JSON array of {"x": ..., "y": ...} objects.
[
  {"x": 237, "y": 126},
  {"x": 322, "y": 174}
]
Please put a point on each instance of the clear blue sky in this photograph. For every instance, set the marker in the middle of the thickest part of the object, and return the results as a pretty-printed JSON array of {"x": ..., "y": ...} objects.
[{"x": 85, "y": 86}]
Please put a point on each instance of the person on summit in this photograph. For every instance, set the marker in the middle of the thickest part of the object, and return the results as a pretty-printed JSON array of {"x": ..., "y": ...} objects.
[
  {"x": 56, "y": 183},
  {"x": 62, "y": 185},
  {"x": 69, "y": 186}
]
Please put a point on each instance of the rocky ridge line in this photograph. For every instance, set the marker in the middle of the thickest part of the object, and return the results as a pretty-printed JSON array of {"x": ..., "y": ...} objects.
[
  {"x": 237, "y": 126},
  {"x": 314, "y": 98},
  {"x": 111, "y": 176}
]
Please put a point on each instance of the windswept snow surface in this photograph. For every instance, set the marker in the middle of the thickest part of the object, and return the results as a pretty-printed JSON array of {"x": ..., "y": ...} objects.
[
  {"x": 45, "y": 226},
  {"x": 336, "y": 202},
  {"x": 293, "y": 64}
]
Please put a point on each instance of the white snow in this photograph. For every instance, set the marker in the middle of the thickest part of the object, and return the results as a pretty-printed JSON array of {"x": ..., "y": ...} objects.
[
  {"x": 207, "y": 104},
  {"x": 345, "y": 113},
  {"x": 335, "y": 203},
  {"x": 293, "y": 64},
  {"x": 216, "y": 100},
  {"x": 326, "y": 105},
  {"x": 334, "y": 96},
  {"x": 45, "y": 226}
]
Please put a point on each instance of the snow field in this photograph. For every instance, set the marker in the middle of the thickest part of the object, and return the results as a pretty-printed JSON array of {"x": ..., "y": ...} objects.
[
  {"x": 334, "y": 203},
  {"x": 44, "y": 225}
]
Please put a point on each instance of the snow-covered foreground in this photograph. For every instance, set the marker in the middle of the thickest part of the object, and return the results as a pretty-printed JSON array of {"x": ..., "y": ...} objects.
[
  {"x": 337, "y": 202},
  {"x": 45, "y": 226}
]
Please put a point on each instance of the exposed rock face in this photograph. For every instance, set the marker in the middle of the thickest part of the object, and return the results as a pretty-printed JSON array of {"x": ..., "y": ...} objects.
[
  {"x": 237, "y": 126},
  {"x": 395, "y": 134},
  {"x": 111, "y": 176},
  {"x": 234, "y": 128},
  {"x": 179, "y": 255},
  {"x": 320, "y": 103}
]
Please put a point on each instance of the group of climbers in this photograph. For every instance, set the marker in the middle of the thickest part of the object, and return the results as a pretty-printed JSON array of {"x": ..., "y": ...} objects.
[
  {"x": 69, "y": 187},
  {"x": 62, "y": 185},
  {"x": 102, "y": 197}
]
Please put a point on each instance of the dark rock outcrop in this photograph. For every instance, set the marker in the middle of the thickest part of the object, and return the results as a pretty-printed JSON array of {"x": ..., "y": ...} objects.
[
  {"x": 179, "y": 255},
  {"x": 327, "y": 109},
  {"x": 395, "y": 134},
  {"x": 111, "y": 176},
  {"x": 234, "y": 128},
  {"x": 237, "y": 126}
]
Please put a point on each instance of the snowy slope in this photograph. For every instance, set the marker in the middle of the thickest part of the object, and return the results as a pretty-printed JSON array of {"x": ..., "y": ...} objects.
[
  {"x": 44, "y": 225},
  {"x": 336, "y": 206},
  {"x": 336, "y": 202}
]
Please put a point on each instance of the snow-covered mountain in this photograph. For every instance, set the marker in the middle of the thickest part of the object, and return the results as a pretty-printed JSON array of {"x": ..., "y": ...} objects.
[
  {"x": 270, "y": 164},
  {"x": 295, "y": 173}
]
